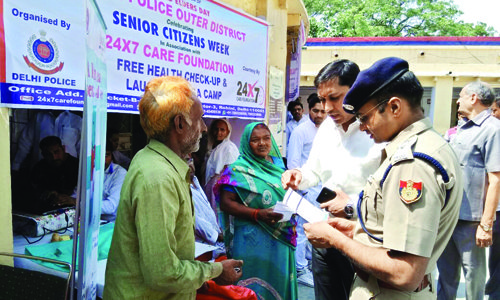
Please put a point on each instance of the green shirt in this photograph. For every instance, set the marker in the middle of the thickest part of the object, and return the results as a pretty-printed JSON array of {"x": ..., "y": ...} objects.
[{"x": 152, "y": 252}]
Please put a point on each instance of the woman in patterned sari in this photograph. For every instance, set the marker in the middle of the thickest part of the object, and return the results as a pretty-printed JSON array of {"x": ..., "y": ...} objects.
[{"x": 247, "y": 191}]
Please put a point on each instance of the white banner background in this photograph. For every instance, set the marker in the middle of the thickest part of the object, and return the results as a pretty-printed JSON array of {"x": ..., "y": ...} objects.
[{"x": 221, "y": 51}]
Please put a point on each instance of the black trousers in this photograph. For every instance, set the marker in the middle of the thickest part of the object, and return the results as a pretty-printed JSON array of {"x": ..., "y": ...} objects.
[{"x": 333, "y": 274}]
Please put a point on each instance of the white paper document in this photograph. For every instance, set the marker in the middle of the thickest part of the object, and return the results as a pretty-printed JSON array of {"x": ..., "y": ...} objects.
[
  {"x": 296, "y": 203},
  {"x": 287, "y": 212}
]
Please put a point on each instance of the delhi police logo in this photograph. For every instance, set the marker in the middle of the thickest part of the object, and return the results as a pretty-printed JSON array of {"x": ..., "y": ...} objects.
[
  {"x": 43, "y": 55},
  {"x": 410, "y": 191}
]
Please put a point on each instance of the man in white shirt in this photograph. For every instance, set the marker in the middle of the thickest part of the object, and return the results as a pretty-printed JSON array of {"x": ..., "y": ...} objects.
[
  {"x": 342, "y": 157},
  {"x": 301, "y": 140},
  {"x": 298, "y": 152}
]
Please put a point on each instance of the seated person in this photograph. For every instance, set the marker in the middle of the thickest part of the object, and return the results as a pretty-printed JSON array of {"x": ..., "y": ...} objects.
[
  {"x": 113, "y": 139},
  {"x": 114, "y": 175},
  {"x": 206, "y": 229},
  {"x": 55, "y": 177},
  {"x": 64, "y": 124}
]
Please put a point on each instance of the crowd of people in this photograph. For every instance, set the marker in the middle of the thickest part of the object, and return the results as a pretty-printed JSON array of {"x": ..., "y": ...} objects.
[{"x": 406, "y": 199}]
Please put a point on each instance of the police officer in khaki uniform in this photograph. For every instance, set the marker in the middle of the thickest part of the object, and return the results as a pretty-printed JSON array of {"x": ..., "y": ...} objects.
[{"x": 410, "y": 205}]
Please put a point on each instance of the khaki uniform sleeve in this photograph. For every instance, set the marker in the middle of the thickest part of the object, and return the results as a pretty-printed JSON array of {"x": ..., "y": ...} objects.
[{"x": 412, "y": 227}]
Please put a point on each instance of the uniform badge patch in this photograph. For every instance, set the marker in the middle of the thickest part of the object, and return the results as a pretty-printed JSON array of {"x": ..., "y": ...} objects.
[{"x": 410, "y": 191}]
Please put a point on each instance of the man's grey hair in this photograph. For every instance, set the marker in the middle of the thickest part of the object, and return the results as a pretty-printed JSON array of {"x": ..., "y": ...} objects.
[{"x": 483, "y": 91}]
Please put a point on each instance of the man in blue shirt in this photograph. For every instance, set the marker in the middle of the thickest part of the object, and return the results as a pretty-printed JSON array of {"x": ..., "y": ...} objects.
[
  {"x": 477, "y": 145},
  {"x": 206, "y": 228},
  {"x": 114, "y": 175},
  {"x": 493, "y": 284}
]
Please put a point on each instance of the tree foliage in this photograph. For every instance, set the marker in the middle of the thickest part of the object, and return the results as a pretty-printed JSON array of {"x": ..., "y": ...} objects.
[{"x": 346, "y": 18}]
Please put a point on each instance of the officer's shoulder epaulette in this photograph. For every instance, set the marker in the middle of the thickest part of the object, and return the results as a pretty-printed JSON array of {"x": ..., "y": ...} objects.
[{"x": 404, "y": 151}]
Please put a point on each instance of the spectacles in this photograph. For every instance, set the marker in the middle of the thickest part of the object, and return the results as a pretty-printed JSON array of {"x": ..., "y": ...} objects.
[{"x": 364, "y": 117}]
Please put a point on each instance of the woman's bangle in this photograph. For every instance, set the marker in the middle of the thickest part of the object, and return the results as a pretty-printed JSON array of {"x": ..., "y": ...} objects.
[{"x": 255, "y": 215}]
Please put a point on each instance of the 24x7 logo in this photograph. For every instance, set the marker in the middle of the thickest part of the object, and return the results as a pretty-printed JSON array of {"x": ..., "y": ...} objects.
[{"x": 248, "y": 90}]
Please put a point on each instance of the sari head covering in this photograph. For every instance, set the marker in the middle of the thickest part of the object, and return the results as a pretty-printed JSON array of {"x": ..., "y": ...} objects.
[
  {"x": 211, "y": 129},
  {"x": 224, "y": 154},
  {"x": 258, "y": 183}
]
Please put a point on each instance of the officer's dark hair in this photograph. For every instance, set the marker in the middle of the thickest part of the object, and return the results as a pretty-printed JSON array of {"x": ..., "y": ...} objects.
[
  {"x": 345, "y": 70},
  {"x": 483, "y": 91},
  {"x": 407, "y": 87},
  {"x": 312, "y": 100},
  {"x": 497, "y": 101},
  {"x": 50, "y": 141},
  {"x": 292, "y": 104}
]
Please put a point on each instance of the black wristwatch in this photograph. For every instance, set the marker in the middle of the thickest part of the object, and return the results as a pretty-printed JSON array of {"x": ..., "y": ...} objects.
[{"x": 349, "y": 211}]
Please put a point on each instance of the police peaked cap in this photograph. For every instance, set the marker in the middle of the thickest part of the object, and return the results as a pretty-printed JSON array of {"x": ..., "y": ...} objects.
[{"x": 372, "y": 80}]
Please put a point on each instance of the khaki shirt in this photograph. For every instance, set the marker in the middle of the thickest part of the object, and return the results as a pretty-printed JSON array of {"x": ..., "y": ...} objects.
[{"x": 408, "y": 212}]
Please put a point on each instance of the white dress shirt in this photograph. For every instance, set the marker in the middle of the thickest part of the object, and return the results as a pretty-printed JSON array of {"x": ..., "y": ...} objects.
[
  {"x": 300, "y": 144},
  {"x": 114, "y": 176},
  {"x": 68, "y": 127},
  {"x": 341, "y": 159}
]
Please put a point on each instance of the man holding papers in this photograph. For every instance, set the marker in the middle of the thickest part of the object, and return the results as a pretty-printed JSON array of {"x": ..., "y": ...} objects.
[
  {"x": 410, "y": 205},
  {"x": 342, "y": 157}
]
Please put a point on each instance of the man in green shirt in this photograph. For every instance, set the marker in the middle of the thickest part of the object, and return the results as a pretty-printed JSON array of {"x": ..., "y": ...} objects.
[{"x": 153, "y": 247}]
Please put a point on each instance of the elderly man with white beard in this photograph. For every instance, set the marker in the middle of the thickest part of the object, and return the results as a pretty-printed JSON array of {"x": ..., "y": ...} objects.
[{"x": 153, "y": 247}]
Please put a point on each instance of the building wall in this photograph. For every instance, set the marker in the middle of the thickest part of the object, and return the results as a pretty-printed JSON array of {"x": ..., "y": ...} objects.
[
  {"x": 5, "y": 195},
  {"x": 441, "y": 64}
]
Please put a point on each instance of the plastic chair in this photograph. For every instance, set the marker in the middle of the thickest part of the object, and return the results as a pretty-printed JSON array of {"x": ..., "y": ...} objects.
[{"x": 23, "y": 284}]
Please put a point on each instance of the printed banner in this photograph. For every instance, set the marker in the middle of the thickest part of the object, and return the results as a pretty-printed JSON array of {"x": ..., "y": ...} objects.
[
  {"x": 276, "y": 83},
  {"x": 43, "y": 54},
  {"x": 293, "y": 68},
  {"x": 221, "y": 51}
]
